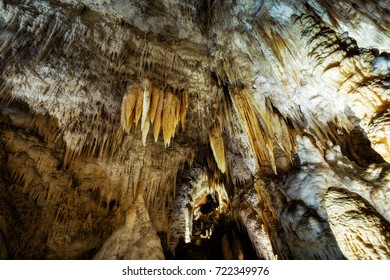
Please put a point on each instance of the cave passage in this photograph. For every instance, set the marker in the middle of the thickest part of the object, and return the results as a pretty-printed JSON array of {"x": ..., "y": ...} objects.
[{"x": 227, "y": 241}]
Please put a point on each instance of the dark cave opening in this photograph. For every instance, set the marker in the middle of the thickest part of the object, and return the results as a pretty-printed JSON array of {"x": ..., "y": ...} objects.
[{"x": 227, "y": 241}]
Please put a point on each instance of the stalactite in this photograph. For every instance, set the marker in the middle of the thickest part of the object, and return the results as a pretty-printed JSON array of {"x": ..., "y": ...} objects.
[
  {"x": 155, "y": 98},
  {"x": 259, "y": 138},
  {"x": 168, "y": 116},
  {"x": 158, "y": 117},
  {"x": 183, "y": 108},
  {"x": 177, "y": 114},
  {"x": 139, "y": 93},
  {"x": 217, "y": 146},
  {"x": 145, "y": 130},
  {"x": 145, "y": 119},
  {"x": 146, "y": 101},
  {"x": 131, "y": 106}
]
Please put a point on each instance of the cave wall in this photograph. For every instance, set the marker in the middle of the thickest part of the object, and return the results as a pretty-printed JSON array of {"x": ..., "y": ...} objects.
[{"x": 117, "y": 119}]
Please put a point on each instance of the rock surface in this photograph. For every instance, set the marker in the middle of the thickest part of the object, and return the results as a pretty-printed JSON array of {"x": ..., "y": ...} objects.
[{"x": 194, "y": 129}]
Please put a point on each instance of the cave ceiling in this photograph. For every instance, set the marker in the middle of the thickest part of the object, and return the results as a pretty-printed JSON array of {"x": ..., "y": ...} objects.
[{"x": 194, "y": 129}]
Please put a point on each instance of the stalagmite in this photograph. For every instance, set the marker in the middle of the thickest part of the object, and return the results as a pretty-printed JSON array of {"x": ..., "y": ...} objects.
[{"x": 135, "y": 239}]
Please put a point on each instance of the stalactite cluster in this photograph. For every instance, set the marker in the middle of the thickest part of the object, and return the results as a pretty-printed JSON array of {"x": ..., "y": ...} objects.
[
  {"x": 268, "y": 132},
  {"x": 154, "y": 106}
]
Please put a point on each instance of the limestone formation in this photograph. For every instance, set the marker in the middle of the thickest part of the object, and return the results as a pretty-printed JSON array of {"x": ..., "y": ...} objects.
[
  {"x": 361, "y": 232},
  {"x": 203, "y": 129},
  {"x": 135, "y": 239},
  {"x": 217, "y": 146}
]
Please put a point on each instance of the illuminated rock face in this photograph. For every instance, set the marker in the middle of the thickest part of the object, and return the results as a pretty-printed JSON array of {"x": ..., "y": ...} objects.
[
  {"x": 210, "y": 129},
  {"x": 360, "y": 231}
]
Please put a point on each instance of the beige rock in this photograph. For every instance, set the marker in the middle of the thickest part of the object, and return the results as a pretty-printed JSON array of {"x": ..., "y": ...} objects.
[
  {"x": 359, "y": 230},
  {"x": 218, "y": 148},
  {"x": 302, "y": 108},
  {"x": 135, "y": 239},
  {"x": 379, "y": 134}
]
